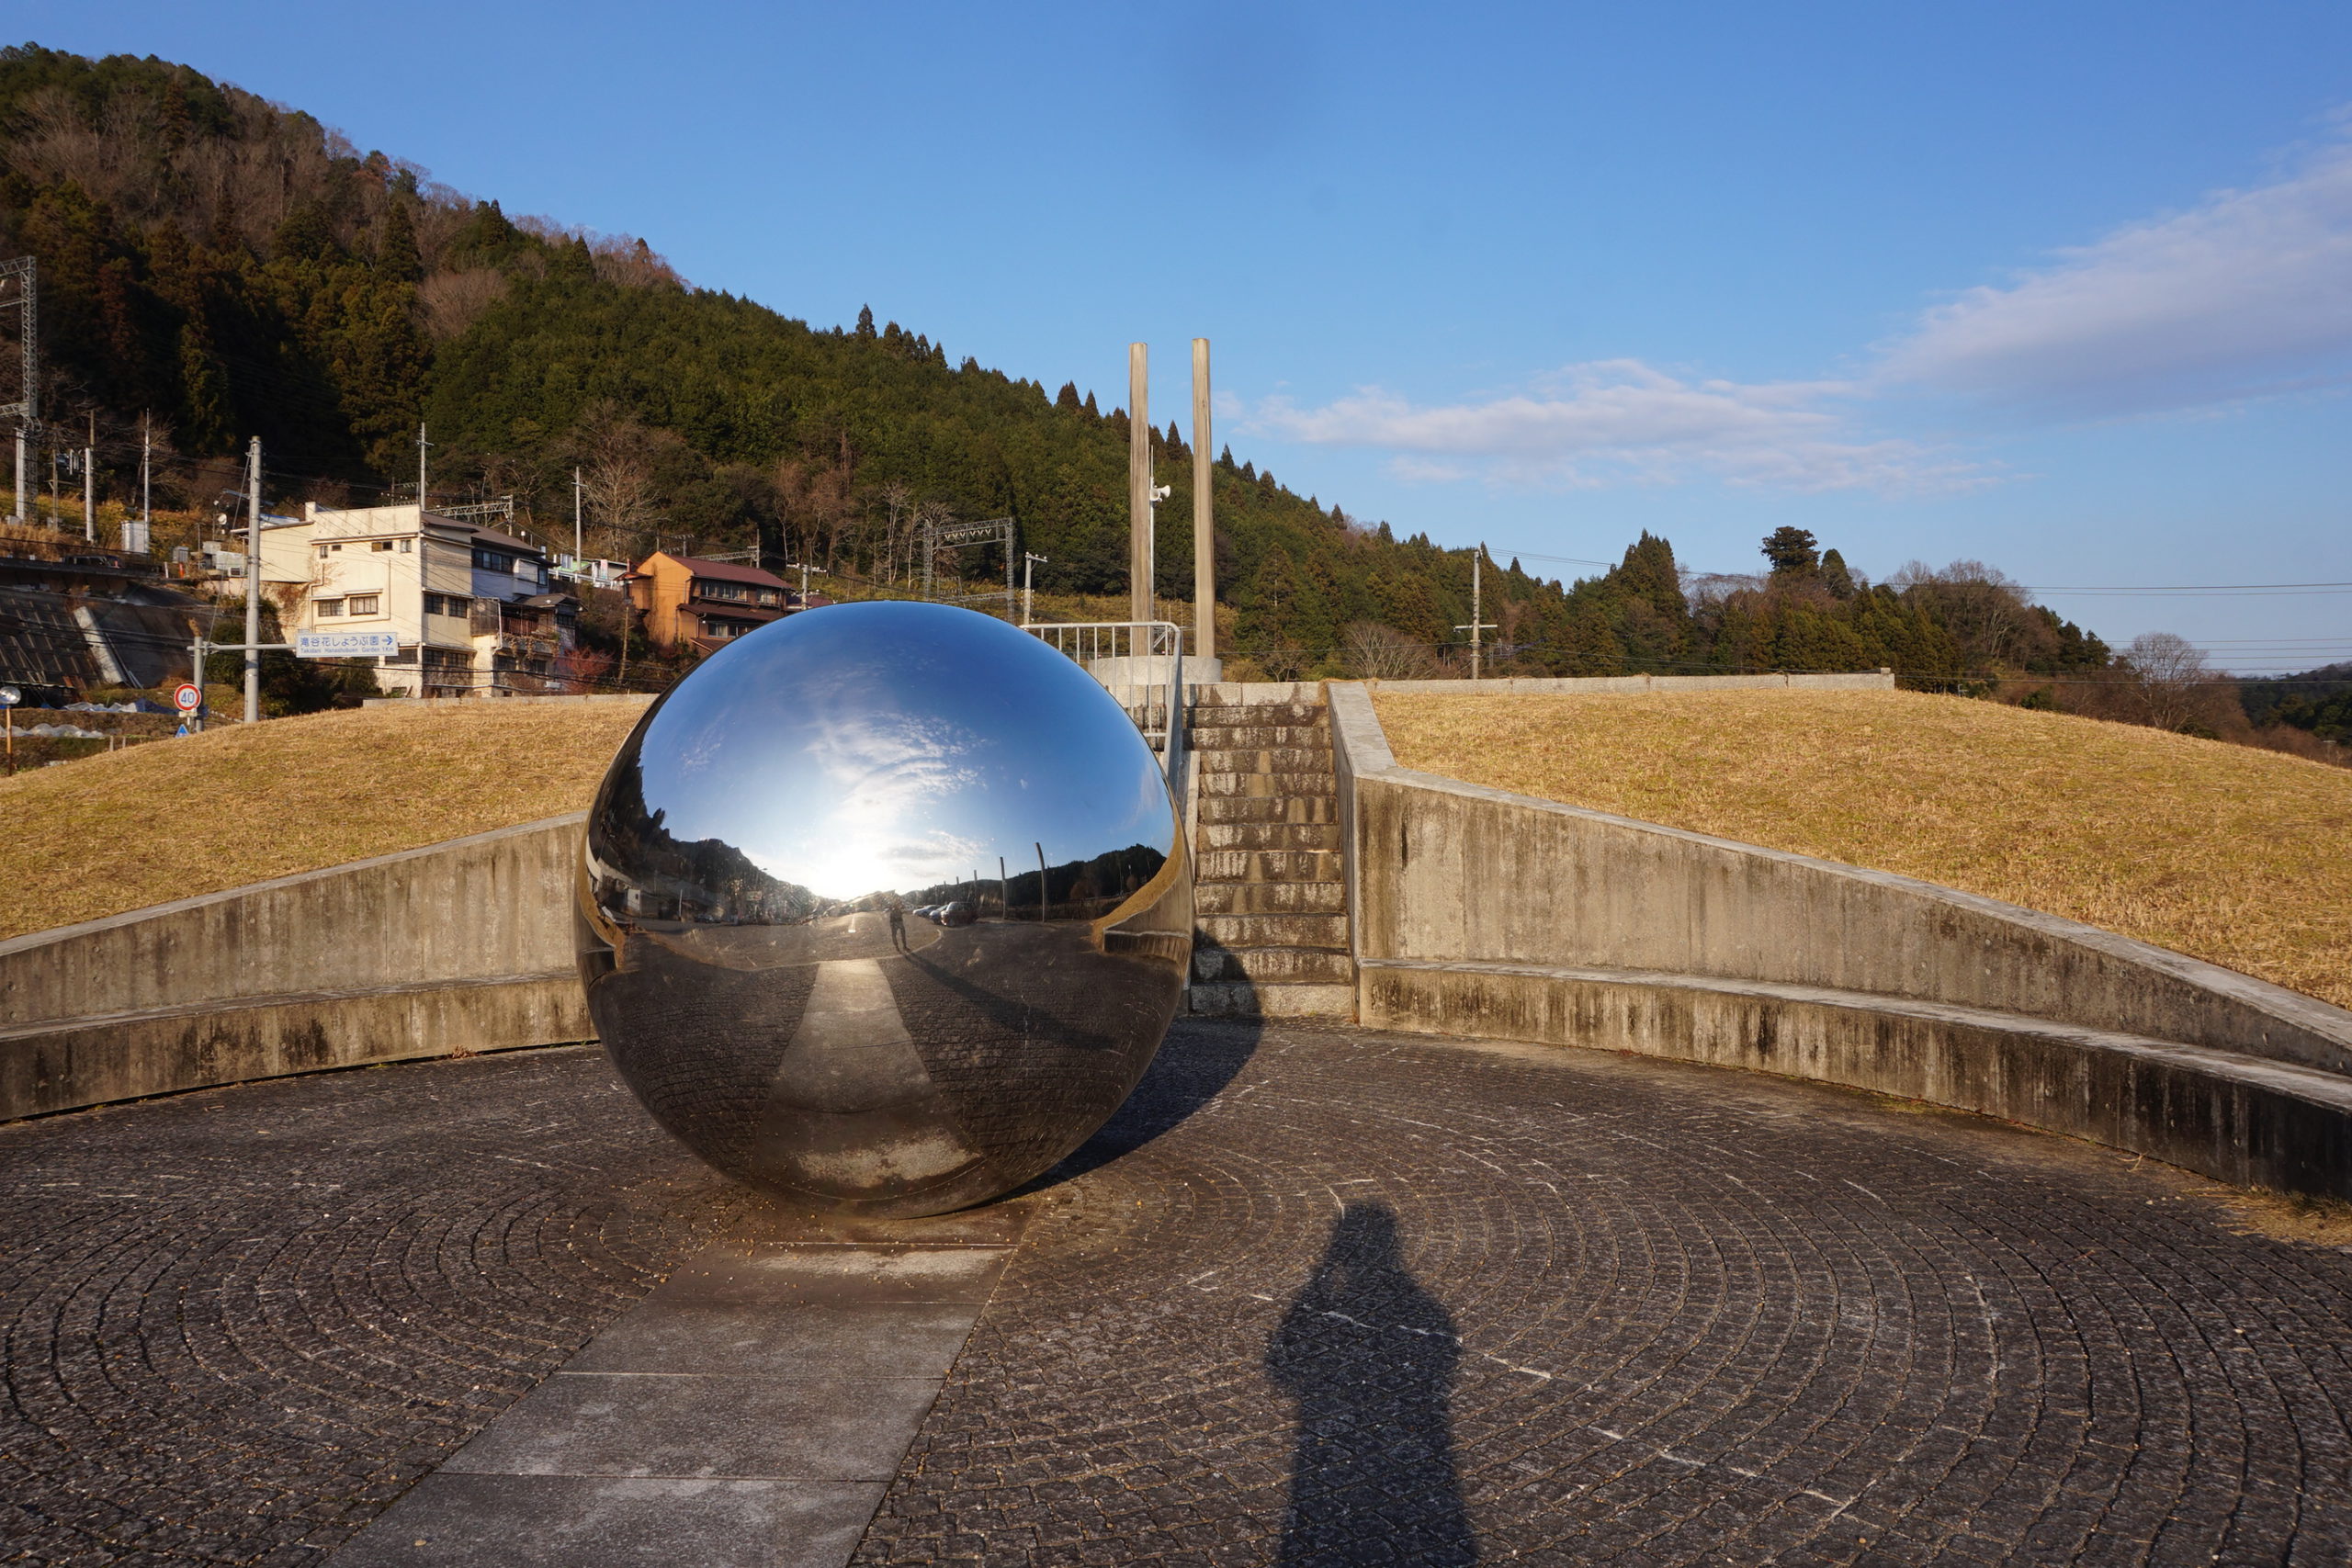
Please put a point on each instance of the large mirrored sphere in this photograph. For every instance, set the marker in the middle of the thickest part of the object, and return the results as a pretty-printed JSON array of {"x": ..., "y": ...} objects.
[{"x": 885, "y": 908}]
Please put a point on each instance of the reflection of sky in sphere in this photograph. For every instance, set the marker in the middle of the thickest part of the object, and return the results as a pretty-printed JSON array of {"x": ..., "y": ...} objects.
[{"x": 896, "y": 746}]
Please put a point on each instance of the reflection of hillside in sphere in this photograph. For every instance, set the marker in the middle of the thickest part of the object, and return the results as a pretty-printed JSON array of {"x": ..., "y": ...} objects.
[{"x": 884, "y": 907}]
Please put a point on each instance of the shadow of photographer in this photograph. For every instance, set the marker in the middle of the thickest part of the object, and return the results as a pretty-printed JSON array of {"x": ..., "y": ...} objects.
[{"x": 1370, "y": 1357}]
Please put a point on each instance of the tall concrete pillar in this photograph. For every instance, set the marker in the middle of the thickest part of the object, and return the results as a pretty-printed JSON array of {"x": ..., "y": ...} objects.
[
  {"x": 1139, "y": 543},
  {"x": 1203, "y": 511}
]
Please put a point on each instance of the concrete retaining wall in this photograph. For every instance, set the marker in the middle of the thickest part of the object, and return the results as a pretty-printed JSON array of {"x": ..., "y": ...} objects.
[
  {"x": 1481, "y": 912},
  {"x": 457, "y": 947}
]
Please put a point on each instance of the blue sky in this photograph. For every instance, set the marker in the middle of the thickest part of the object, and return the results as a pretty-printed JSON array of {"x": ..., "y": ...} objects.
[{"x": 2065, "y": 288}]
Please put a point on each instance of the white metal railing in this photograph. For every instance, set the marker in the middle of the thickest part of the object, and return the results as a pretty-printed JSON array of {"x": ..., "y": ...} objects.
[{"x": 1141, "y": 663}]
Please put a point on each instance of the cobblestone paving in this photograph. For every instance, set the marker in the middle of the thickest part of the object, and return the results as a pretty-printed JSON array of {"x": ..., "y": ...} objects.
[
  {"x": 236, "y": 1325},
  {"x": 1339, "y": 1298},
  {"x": 1315, "y": 1296}
]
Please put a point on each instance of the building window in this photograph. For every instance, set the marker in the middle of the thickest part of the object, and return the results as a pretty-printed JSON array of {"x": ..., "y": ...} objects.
[
  {"x": 364, "y": 605},
  {"x": 767, "y": 596},
  {"x": 446, "y": 604},
  {"x": 330, "y": 607},
  {"x": 490, "y": 560},
  {"x": 322, "y": 552}
]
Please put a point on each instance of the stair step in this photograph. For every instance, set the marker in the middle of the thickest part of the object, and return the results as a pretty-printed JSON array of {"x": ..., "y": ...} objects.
[
  {"x": 1216, "y": 808},
  {"x": 1217, "y": 838},
  {"x": 1316, "y": 864},
  {"x": 1270, "y": 898},
  {"x": 1273, "y": 966},
  {"x": 1199, "y": 736},
  {"x": 1316, "y": 760},
  {"x": 1268, "y": 785},
  {"x": 1329, "y": 932},
  {"x": 1258, "y": 713},
  {"x": 1246, "y": 1001}
]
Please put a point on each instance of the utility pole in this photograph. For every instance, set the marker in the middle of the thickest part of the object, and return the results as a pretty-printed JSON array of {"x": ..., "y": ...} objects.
[
  {"x": 421, "y": 445},
  {"x": 1140, "y": 546},
  {"x": 1203, "y": 512},
  {"x": 90, "y": 482},
  {"x": 1477, "y": 624},
  {"x": 146, "y": 485},
  {"x": 253, "y": 582},
  {"x": 25, "y": 270},
  {"x": 1029, "y": 559},
  {"x": 577, "y": 553}
]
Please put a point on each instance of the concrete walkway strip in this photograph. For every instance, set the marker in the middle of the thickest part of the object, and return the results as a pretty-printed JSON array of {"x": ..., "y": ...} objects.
[{"x": 751, "y": 1411}]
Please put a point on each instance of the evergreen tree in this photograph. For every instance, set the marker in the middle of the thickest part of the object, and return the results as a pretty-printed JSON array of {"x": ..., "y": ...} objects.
[
  {"x": 1791, "y": 551},
  {"x": 396, "y": 257},
  {"x": 1834, "y": 575}
]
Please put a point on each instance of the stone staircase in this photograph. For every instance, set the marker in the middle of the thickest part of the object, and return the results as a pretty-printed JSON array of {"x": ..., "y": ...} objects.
[{"x": 1270, "y": 903}]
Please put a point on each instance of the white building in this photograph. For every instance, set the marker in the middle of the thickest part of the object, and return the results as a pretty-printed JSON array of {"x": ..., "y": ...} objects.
[{"x": 473, "y": 609}]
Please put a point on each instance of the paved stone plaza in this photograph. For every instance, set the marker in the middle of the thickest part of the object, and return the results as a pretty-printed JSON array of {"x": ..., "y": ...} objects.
[{"x": 1315, "y": 1296}]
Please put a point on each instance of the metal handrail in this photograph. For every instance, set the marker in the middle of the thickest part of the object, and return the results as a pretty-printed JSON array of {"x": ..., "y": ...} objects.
[{"x": 1139, "y": 645}]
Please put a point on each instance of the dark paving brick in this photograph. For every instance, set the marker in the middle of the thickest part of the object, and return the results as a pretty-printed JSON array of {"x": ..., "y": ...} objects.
[
  {"x": 236, "y": 1325},
  {"x": 1340, "y": 1298}
]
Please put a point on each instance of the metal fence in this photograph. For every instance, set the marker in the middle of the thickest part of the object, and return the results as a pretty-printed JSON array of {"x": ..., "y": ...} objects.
[{"x": 1140, "y": 663}]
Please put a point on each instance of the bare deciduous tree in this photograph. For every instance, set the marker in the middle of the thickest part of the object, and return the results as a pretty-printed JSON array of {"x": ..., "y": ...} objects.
[
  {"x": 2171, "y": 674},
  {"x": 455, "y": 300},
  {"x": 616, "y": 480},
  {"x": 1377, "y": 652}
]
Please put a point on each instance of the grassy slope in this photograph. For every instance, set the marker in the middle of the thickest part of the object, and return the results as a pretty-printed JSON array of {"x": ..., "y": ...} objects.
[
  {"x": 178, "y": 817},
  {"x": 2232, "y": 855}
]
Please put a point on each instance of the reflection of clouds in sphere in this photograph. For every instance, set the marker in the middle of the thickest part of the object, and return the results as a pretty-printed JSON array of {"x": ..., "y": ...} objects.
[{"x": 759, "y": 861}]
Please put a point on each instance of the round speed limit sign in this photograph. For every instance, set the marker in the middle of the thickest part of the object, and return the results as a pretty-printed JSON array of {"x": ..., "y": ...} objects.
[{"x": 187, "y": 698}]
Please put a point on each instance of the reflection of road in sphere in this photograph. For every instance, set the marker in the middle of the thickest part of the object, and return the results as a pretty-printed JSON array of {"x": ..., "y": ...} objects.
[{"x": 884, "y": 907}]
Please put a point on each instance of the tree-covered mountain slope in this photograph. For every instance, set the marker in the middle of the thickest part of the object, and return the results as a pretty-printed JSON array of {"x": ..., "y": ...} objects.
[{"x": 221, "y": 267}]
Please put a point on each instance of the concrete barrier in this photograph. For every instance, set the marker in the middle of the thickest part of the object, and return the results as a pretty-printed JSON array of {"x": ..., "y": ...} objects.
[
  {"x": 457, "y": 947},
  {"x": 1476, "y": 911}
]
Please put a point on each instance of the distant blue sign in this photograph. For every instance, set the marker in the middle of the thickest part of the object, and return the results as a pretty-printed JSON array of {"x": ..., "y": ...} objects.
[{"x": 344, "y": 645}]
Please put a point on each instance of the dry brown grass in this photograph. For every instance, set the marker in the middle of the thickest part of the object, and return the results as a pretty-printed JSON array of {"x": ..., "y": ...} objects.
[
  {"x": 236, "y": 805},
  {"x": 2232, "y": 855}
]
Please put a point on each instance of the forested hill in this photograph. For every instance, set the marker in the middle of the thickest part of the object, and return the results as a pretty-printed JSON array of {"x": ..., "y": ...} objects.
[{"x": 234, "y": 267}]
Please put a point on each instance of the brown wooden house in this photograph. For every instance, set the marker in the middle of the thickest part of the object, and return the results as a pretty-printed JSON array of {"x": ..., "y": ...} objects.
[{"x": 704, "y": 604}]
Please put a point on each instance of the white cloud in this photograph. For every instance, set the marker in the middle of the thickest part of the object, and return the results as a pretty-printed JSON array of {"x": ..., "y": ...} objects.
[
  {"x": 2248, "y": 293},
  {"x": 1618, "y": 420}
]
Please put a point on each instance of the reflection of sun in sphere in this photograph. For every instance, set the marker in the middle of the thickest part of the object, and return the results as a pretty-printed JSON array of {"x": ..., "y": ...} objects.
[{"x": 885, "y": 908}]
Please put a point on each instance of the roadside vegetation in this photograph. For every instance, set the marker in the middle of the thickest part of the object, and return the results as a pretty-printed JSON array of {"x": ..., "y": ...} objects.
[
  {"x": 2231, "y": 854},
  {"x": 177, "y": 819}
]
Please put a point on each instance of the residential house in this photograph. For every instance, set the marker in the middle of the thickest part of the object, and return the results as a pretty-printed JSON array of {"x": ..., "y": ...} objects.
[
  {"x": 473, "y": 607},
  {"x": 702, "y": 605}
]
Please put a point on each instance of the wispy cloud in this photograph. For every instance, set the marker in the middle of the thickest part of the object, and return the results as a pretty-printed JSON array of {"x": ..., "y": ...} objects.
[
  {"x": 2248, "y": 293},
  {"x": 1620, "y": 420}
]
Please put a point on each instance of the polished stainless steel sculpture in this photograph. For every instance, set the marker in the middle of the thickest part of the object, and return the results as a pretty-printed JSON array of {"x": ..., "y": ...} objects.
[{"x": 883, "y": 909}]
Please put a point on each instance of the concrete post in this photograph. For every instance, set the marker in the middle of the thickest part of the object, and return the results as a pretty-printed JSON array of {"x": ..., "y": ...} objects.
[
  {"x": 1203, "y": 511},
  {"x": 1139, "y": 543},
  {"x": 252, "y": 584}
]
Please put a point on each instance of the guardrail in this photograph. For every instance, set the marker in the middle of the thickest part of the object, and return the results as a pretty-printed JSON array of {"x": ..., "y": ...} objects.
[{"x": 1140, "y": 663}]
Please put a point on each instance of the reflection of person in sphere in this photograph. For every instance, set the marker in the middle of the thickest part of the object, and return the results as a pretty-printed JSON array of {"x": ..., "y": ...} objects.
[
  {"x": 1368, "y": 1355},
  {"x": 898, "y": 925}
]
